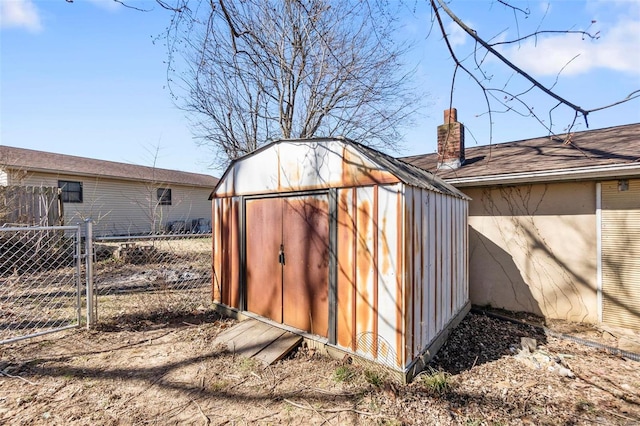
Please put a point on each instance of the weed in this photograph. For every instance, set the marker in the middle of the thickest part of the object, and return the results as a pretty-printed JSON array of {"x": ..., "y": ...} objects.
[
  {"x": 246, "y": 364},
  {"x": 218, "y": 385},
  {"x": 437, "y": 382},
  {"x": 24, "y": 400},
  {"x": 584, "y": 405},
  {"x": 343, "y": 374},
  {"x": 390, "y": 422},
  {"x": 374, "y": 377}
]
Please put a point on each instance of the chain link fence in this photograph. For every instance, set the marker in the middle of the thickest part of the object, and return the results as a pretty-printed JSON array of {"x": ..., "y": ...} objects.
[
  {"x": 51, "y": 276},
  {"x": 40, "y": 281},
  {"x": 151, "y": 275}
]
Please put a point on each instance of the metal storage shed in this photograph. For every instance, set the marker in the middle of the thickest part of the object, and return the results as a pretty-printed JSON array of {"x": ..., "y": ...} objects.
[{"x": 358, "y": 251}]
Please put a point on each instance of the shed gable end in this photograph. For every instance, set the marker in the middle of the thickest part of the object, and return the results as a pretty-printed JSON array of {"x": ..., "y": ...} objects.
[{"x": 289, "y": 166}]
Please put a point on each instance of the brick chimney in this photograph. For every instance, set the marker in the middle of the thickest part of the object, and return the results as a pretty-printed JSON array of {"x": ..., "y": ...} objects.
[{"x": 450, "y": 141}]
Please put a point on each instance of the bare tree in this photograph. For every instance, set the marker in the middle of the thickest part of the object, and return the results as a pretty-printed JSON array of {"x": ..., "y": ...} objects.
[
  {"x": 299, "y": 68},
  {"x": 513, "y": 95},
  {"x": 260, "y": 70}
]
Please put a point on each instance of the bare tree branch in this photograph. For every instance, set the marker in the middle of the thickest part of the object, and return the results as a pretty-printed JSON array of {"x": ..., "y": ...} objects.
[
  {"x": 483, "y": 80},
  {"x": 259, "y": 70},
  {"x": 131, "y": 7},
  {"x": 504, "y": 60}
]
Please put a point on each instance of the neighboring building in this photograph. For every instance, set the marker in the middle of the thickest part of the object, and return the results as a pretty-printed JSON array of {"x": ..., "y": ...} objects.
[
  {"x": 121, "y": 199},
  {"x": 554, "y": 221},
  {"x": 360, "y": 252}
]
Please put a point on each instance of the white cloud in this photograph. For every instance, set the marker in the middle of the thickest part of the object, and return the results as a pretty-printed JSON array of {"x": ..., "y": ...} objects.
[
  {"x": 20, "y": 14},
  {"x": 617, "y": 49},
  {"x": 457, "y": 36}
]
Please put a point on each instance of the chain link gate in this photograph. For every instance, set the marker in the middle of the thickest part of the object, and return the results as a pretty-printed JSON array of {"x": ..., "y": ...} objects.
[
  {"x": 50, "y": 276},
  {"x": 40, "y": 281}
]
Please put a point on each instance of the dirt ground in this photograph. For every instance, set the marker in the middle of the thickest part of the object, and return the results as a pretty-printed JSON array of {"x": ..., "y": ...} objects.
[{"x": 165, "y": 370}]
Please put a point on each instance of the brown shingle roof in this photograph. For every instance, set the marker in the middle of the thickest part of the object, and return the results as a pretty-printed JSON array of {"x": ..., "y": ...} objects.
[
  {"x": 580, "y": 150},
  {"x": 31, "y": 160}
]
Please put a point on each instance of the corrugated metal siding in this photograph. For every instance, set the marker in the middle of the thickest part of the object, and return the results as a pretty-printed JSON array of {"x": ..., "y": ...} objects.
[
  {"x": 366, "y": 305},
  {"x": 621, "y": 254},
  {"x": 390, "y": 285},
  {"x": 436, "y": 264},
  {"x": 123, "y": 207},
  {"x": 226, "y": 251},
  {"x": 369, "y": 289},
  {"x": 217, "y": 253},
  {"x": 346, "y": 281}
]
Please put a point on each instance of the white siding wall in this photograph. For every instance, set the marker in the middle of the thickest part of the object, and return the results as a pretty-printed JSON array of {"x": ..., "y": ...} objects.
[{"x": 127, "y": 207}]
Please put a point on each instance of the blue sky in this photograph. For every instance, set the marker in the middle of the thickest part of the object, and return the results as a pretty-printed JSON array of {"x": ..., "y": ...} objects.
[{"x": 85, "y": 78}]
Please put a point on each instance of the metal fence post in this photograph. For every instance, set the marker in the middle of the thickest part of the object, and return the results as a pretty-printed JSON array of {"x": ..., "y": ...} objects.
[
  {"x": 89, "y": 268},
  {"x": 78, "y": 262}
]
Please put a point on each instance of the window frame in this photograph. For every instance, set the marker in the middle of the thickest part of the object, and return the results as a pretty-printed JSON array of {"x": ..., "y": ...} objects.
[
  {"x": 66, "y": 192},
  {"x": 163, "y": 196}
]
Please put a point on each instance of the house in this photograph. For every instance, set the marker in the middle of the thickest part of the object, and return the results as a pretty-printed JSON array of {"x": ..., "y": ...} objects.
[
  {"x": 361, "y": 253},
  {"x": 121, "y": 199},
  {"x": 554, "y": 222}
]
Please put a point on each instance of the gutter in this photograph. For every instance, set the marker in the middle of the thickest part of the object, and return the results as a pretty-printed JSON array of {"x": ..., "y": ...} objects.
[{"x": 614, "y": 171}]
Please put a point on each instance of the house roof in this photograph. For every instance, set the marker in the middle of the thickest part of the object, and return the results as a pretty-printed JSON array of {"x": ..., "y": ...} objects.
[
  {"x": 289, "y": 165},
  {"x": 409, "y": 173},
  {"x": 49, "y": 162},
  {"x": 610, "y": 152}
]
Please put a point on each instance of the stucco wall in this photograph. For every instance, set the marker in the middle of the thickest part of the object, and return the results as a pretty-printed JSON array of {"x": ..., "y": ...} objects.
[{"x": 533, "y": 248}]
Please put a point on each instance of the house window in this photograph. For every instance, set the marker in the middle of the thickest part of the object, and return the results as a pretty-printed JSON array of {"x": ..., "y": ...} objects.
[
  {"x": 164, "y": 196},
  {"x": 71, "y": 191}
]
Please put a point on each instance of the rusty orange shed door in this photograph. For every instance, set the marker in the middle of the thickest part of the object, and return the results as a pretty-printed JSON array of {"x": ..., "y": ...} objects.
[{"x": 287, "y": 258}]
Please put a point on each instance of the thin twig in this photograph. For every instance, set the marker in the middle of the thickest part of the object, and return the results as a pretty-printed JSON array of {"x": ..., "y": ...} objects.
[
  {"x": 317, "y": 412},
  {"x": 330, "y": 410},
  {"x": 207, "y": 420},
  {"x": 18, "y": 377},
  {"x": 328, "y": 392},
  {"x": 261, "y": 418},
  {"x": 619, "y": 415}
]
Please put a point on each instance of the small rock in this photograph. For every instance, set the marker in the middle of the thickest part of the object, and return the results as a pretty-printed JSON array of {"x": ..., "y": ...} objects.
[
  {"x": 565, "y": 372},
  {"x": 528, "y": 343}
]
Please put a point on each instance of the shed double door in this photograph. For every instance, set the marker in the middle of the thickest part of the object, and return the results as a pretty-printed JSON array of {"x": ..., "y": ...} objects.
[{"x": 287, "y": 260}]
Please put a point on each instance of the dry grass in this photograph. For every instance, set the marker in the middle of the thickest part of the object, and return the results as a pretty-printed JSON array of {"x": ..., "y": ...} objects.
[{"x": 163, "y": 369}]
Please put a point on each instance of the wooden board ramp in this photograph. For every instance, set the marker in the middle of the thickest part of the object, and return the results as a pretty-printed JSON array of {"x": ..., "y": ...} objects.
[{"x": 255, "y": 339}]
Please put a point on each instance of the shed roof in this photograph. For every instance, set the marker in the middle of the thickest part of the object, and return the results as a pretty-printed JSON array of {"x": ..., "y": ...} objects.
[
  {"x": 340, "y": 161},
  {"x": 49, "y": 162},
  {"x": 609, "y": 149}
]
